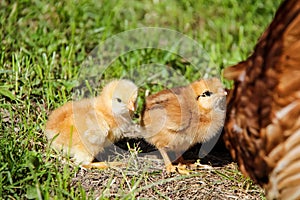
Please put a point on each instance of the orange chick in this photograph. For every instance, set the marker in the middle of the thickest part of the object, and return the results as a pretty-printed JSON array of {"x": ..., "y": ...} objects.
[
  {"x": 176, "y": 119},
  {"x": 83, "y": 128}
]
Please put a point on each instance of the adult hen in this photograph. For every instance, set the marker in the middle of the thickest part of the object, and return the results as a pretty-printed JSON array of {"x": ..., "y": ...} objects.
[
  {"x": 176, "y": 119},
  {"x": 262, "y": 128},
  {"x": 83, "y": 128}
]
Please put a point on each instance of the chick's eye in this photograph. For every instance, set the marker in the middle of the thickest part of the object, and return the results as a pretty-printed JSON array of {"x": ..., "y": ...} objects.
[
  {"x": 119, "y": 100},
  {"x": 205, "y": 94}
]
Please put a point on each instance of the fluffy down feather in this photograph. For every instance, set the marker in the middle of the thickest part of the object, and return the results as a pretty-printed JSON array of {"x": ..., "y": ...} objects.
[
  {"x": 176, "y": 119},
  {"x": 83, "y": 128}
]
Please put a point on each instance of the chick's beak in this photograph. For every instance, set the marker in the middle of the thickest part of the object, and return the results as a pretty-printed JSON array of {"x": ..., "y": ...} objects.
[
  {"x": 131, "y": 106},
  {"x": 224, "y": 93}
]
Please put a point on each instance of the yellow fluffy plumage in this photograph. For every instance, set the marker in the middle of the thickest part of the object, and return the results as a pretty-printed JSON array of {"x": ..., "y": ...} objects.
[{"x": 85, "y": 127}]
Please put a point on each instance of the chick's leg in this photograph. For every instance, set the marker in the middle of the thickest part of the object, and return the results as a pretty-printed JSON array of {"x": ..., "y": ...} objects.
[
  {"x": 103, "y": 165},
  {"x": 85, "y": 158},
  {"x": 191, "y": 164},
  {"x": 181, "y": 169}
]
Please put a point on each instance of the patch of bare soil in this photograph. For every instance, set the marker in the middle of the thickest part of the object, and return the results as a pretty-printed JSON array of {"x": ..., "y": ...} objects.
[{"x": 144, "y": 177}]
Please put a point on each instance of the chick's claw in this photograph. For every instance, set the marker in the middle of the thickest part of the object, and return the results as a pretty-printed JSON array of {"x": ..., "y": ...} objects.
[
  {"x": 103, "y": 165},
  {"x": 198, "y": 165},
  {"x": 180, "y": 169}
]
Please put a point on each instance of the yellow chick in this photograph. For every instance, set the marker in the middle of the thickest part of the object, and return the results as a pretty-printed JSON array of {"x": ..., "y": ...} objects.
[
  {"x": 83, "y": 128},
  {"x": 176, "y": 119}
]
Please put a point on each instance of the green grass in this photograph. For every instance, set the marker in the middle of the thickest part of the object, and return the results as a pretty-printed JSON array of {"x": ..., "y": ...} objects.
[{"x": 44, "y": 43}]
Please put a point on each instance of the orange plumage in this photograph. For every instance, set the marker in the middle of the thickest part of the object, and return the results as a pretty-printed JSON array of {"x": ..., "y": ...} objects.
[{"x": 176, "y": 119}]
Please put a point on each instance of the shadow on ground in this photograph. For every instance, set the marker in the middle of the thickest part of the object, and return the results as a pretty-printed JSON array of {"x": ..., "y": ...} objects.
[{"x": 218, "y": 157}]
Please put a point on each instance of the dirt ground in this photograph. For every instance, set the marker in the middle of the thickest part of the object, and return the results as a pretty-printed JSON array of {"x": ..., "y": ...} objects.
[{"x": 143, "y": 176}]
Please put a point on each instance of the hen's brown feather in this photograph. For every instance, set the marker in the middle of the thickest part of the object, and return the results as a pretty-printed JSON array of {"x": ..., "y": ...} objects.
[{"x": 262, "y": 127}]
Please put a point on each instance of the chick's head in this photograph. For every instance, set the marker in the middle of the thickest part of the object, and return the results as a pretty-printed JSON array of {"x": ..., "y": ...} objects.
[
  {"x": 210, "y": 94},
  {"x": 120, "y": 96}
]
